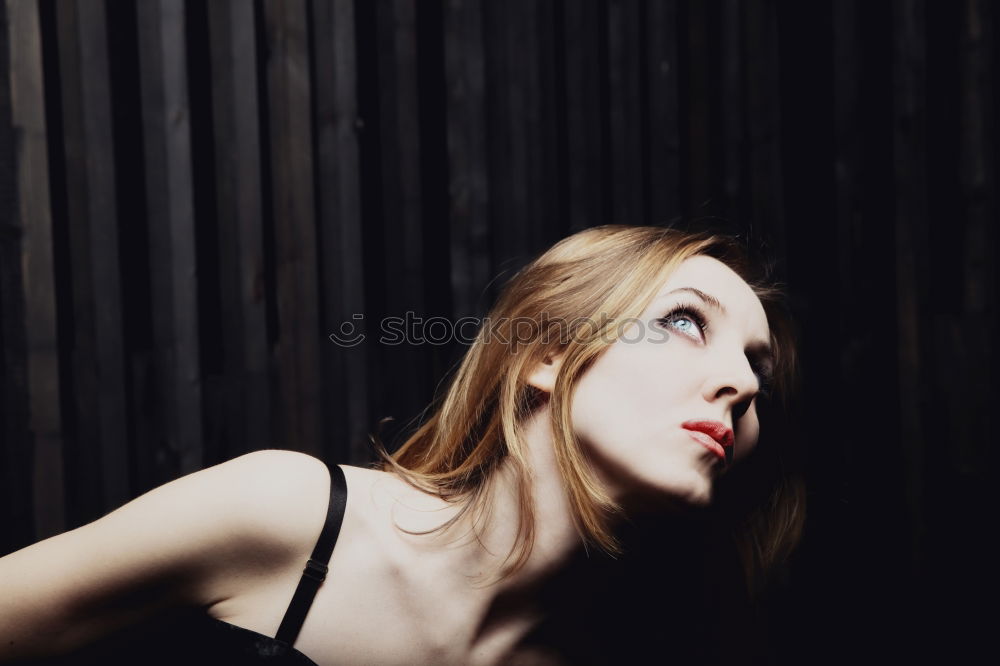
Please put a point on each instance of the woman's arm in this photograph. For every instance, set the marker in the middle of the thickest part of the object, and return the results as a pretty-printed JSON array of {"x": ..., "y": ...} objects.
[{"x": 189, "y": 542}]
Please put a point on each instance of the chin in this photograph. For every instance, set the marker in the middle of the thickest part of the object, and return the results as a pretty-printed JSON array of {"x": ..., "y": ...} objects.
[
  {"x": 693, "y": 491},
  {"x": 699, "y": 497}
]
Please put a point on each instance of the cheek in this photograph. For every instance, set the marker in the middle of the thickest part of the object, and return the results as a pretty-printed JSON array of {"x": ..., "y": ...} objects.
[{"x": 627, "y": 394}]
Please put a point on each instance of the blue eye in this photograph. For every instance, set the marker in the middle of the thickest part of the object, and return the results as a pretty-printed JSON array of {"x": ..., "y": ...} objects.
[{"x": 686, "y": 319}]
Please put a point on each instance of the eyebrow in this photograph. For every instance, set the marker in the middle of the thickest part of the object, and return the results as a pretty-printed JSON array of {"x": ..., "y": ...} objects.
[
  {"x": 759, "y": 350},
  {"x": 708, "y": 298}
]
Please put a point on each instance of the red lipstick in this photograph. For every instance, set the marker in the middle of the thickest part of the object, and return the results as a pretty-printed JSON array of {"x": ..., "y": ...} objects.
[{"x": 714, "y": 436}]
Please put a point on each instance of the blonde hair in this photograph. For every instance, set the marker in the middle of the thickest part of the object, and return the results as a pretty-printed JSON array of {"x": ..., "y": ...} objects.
[{"x": 595, "y": 278}]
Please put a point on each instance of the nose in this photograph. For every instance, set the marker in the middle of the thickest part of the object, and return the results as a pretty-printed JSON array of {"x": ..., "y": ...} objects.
[{"x": 733, "y": 381}]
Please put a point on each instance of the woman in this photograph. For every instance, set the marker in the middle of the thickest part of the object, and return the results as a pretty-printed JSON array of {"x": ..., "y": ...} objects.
[{"x": 619, "y": 375}]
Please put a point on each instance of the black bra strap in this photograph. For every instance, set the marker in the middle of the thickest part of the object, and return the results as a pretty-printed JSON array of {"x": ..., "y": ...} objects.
[{"x": 315, "y": 571}]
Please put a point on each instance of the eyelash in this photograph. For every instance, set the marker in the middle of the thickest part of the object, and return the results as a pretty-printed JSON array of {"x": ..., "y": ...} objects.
[
  {"x": 696, "y": 315},
  {"x": 692, "y": 312}
]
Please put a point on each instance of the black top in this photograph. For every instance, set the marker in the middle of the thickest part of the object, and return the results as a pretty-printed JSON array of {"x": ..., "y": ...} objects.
[{"x": 196, "y": 638}]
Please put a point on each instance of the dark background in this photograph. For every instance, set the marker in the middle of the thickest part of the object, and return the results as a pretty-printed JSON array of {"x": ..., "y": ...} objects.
[{"x": 196, "y": 194}]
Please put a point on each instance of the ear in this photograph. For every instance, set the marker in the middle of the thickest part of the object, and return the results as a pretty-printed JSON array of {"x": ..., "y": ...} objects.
[{"x": 543, "y": 375}]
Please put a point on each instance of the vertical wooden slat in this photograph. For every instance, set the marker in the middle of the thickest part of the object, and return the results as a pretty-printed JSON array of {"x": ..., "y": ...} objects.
[
  {"x": 848, "y": 183},
  {"x": 468, "y": 161},
  {"x": 511, "y": 216},
  {"x": 732, "y": 108},
  {"x": 970, "y": 343},
  {"x": 624, "y": 110},
  {"x": 170, "y": 210},
  {"x": 402, "y": 203},
  {"x": 909, "y": 71},
  {"x": 764, "y": 180},
  {"x": 93, "y": 221},
  {"x": 697, "y": 130},
  {"x": 245, "y": 388},
  {"x": 434, "y": 181},
  {"x": 339, "y": 218},
  {"x": 35, "y": 220},
  {"x": 847, "y": 216},
  {"x": 523, "y": 145},
  {"x": 297, "y": 352},
  {"x": 16, "y": 463},
  {"x": 977, "y": 176},
  {"x": 505, "y": 117},
  {"x": 662, "y": 67},
  {"x": 400, "y": 127},
  {"x": 506, "y": 120},
  {"x": 83, "y": 487},
  {"x": 846, "y": 137},
  {"x": 586, "y": 144},
  {"x": 542, "y": 130}
]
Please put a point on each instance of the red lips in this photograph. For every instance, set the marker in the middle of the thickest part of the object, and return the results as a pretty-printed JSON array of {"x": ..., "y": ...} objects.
[{"x": 717, "y": 431}]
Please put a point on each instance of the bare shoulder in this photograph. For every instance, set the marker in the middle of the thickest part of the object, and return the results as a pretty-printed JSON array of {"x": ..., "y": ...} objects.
[
  {"x": 187, "y": 542},
  {"x": 280, "y": 498},
  {"x": 275, "y": 496}
]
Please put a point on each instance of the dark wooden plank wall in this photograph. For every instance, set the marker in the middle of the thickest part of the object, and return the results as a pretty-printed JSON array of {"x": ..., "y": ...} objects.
[{"x": 197, "y": 195}]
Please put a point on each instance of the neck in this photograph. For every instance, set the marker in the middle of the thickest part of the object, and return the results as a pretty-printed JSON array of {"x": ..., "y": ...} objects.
[
  {"x": 499, "y": 614},
  {"x": 511, "y": 607},
  {"x": 556, "y": 536}
]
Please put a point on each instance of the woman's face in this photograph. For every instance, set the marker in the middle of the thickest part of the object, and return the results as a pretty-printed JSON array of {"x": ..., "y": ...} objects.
[{"x": 695, "y": 357}]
